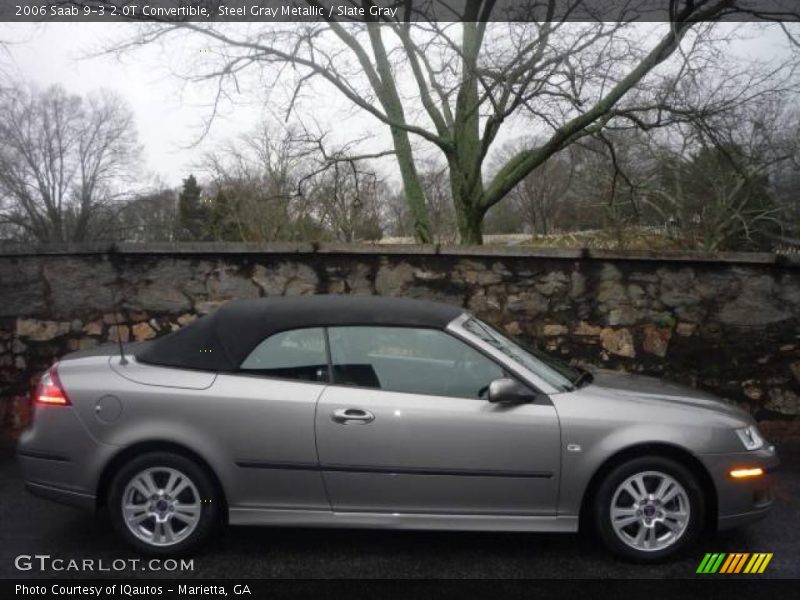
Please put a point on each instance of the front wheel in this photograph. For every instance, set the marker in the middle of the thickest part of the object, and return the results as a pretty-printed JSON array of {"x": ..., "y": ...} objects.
[
  {"x": 163, "y": 503},
  {"x": 649, "y": 508}
]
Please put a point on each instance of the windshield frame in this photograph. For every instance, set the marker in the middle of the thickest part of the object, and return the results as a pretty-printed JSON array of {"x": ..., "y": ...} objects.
[{"x": 544, "y": 381}]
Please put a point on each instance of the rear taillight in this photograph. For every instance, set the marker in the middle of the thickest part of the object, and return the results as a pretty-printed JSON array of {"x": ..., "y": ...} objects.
[{"x": 50, "y": 391}]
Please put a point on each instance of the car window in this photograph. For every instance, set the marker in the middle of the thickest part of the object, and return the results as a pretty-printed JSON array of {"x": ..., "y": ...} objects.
[
  {"x": 297, "y": 354},
  {"x": 416, "y": 361},
  {"x": 554, "y": 372}
]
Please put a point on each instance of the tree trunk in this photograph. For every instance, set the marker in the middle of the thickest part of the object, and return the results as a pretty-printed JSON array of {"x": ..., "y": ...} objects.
[
  {"x": 386, "y": 90},
  {"x": 464, "y": 161},
  {"x": 415, "y": 195},
  {"x": 469, "y": 209},
  {"x": 470, "y": 228}
]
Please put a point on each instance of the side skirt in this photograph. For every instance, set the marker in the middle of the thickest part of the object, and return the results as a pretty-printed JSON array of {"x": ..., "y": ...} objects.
[{"x": 320, "y": 518}]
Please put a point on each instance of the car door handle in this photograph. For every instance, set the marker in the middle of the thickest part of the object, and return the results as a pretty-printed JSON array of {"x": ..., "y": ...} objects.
[{"x": 352, "y": 416}]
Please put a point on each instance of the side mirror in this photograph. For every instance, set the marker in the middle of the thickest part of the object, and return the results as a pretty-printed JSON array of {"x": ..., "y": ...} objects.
[{"x": 510, "y": 391}]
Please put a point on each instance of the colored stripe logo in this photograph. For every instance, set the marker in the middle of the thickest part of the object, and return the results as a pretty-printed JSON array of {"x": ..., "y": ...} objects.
[{"x": 734, "y": 562}]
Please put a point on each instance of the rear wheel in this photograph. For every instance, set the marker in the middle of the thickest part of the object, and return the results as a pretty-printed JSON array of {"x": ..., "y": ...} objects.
[
  {"x": 163, "y": 503},
  {"x": 649, "y": 508}
]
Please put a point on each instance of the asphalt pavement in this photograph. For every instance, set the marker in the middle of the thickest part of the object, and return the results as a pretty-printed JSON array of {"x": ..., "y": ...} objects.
[{"x": 31, "y": 526}]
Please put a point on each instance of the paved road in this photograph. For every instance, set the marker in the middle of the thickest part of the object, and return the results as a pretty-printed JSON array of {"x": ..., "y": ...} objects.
[{"x": 29, "y": 525}]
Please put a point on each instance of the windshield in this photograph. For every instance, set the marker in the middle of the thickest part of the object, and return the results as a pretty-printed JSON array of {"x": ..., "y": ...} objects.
[{"x": 556, "y": 373}]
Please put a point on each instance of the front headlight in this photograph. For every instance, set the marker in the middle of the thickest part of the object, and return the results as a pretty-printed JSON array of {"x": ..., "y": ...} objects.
[{"x": 750, "y": 437}]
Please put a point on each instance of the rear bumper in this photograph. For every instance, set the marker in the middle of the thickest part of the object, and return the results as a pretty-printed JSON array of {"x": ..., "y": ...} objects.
[
  {"x": 59, "y": 459},
  {"x": 53, "y": 476},
  {"x": 742, "y": 501}
]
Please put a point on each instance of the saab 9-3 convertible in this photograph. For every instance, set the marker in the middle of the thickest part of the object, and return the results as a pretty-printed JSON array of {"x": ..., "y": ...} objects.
[{"x": 361, "y": 411}]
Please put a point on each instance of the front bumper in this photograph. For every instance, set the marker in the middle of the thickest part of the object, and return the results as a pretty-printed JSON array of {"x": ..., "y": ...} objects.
[{"x": 742, "y": 501}]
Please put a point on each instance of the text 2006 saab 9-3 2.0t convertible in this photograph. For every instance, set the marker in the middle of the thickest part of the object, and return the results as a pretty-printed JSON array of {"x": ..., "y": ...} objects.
[{"x": 360, "y": 411}]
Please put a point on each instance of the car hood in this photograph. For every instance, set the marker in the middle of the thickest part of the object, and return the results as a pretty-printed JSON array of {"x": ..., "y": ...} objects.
[{"x": 642, "y": 389}]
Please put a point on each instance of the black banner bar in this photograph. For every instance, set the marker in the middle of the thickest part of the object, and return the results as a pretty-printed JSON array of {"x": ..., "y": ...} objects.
[
  {"x": 199, "y": 11},
  {"x": 727, "y": 588}
]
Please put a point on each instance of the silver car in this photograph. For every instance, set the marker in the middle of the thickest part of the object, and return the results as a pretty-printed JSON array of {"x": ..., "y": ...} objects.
[{"x": 359, "y": 411}]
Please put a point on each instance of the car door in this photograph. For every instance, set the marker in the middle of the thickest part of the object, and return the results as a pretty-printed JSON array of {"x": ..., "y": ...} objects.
[
  {"x": 267, "y": 424},
  {"x": 406, "y": 427}
]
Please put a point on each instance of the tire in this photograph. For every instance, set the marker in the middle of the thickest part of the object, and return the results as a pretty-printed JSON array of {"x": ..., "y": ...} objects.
[
  {"x": 174, "y": 504},
  {"x": 653, "y": 526}
]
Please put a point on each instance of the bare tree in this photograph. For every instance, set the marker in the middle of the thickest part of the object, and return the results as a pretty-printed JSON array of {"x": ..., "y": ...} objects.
[
  {"x": 539, "y": 197},
  {"x": 711, "y": 204},
  {"x": 435, "y": 182},
  {"x": 342, "y": 189},
  {"x": 149, "y": 217},
  {"x": 348, "y": 199},
  {"x": 438, "y": 206},
  {"x": 713, "y": 176},
  {"x": 710, "y": 178},
  {"x": 61, "y": 160},
  {"x": 455, "y": 85},
  {"x": 4, "y": 54},
  {"x": 785, "y": 180},
  {"x": 256, "y": 176},
  {"x": 608, "y": 170}
]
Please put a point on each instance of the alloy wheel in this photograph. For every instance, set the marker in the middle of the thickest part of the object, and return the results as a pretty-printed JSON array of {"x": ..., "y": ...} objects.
[
  {"x": 161, "y": 506},
  {"x": 650, "y": 511}
]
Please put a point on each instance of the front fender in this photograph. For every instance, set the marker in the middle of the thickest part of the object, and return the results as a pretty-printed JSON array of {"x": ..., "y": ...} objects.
[{"x": 598, "y": 446}]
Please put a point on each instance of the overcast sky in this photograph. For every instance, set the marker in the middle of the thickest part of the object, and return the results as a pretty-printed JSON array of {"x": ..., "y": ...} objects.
[{"x": 169, "y": 117}]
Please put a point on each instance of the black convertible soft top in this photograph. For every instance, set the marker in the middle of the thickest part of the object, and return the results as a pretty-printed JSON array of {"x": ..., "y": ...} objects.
[{"x": 221, "y": 340}]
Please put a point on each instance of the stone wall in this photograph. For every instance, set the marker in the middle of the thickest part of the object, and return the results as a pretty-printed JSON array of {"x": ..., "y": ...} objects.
[{"x": 728, "y": 324}]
